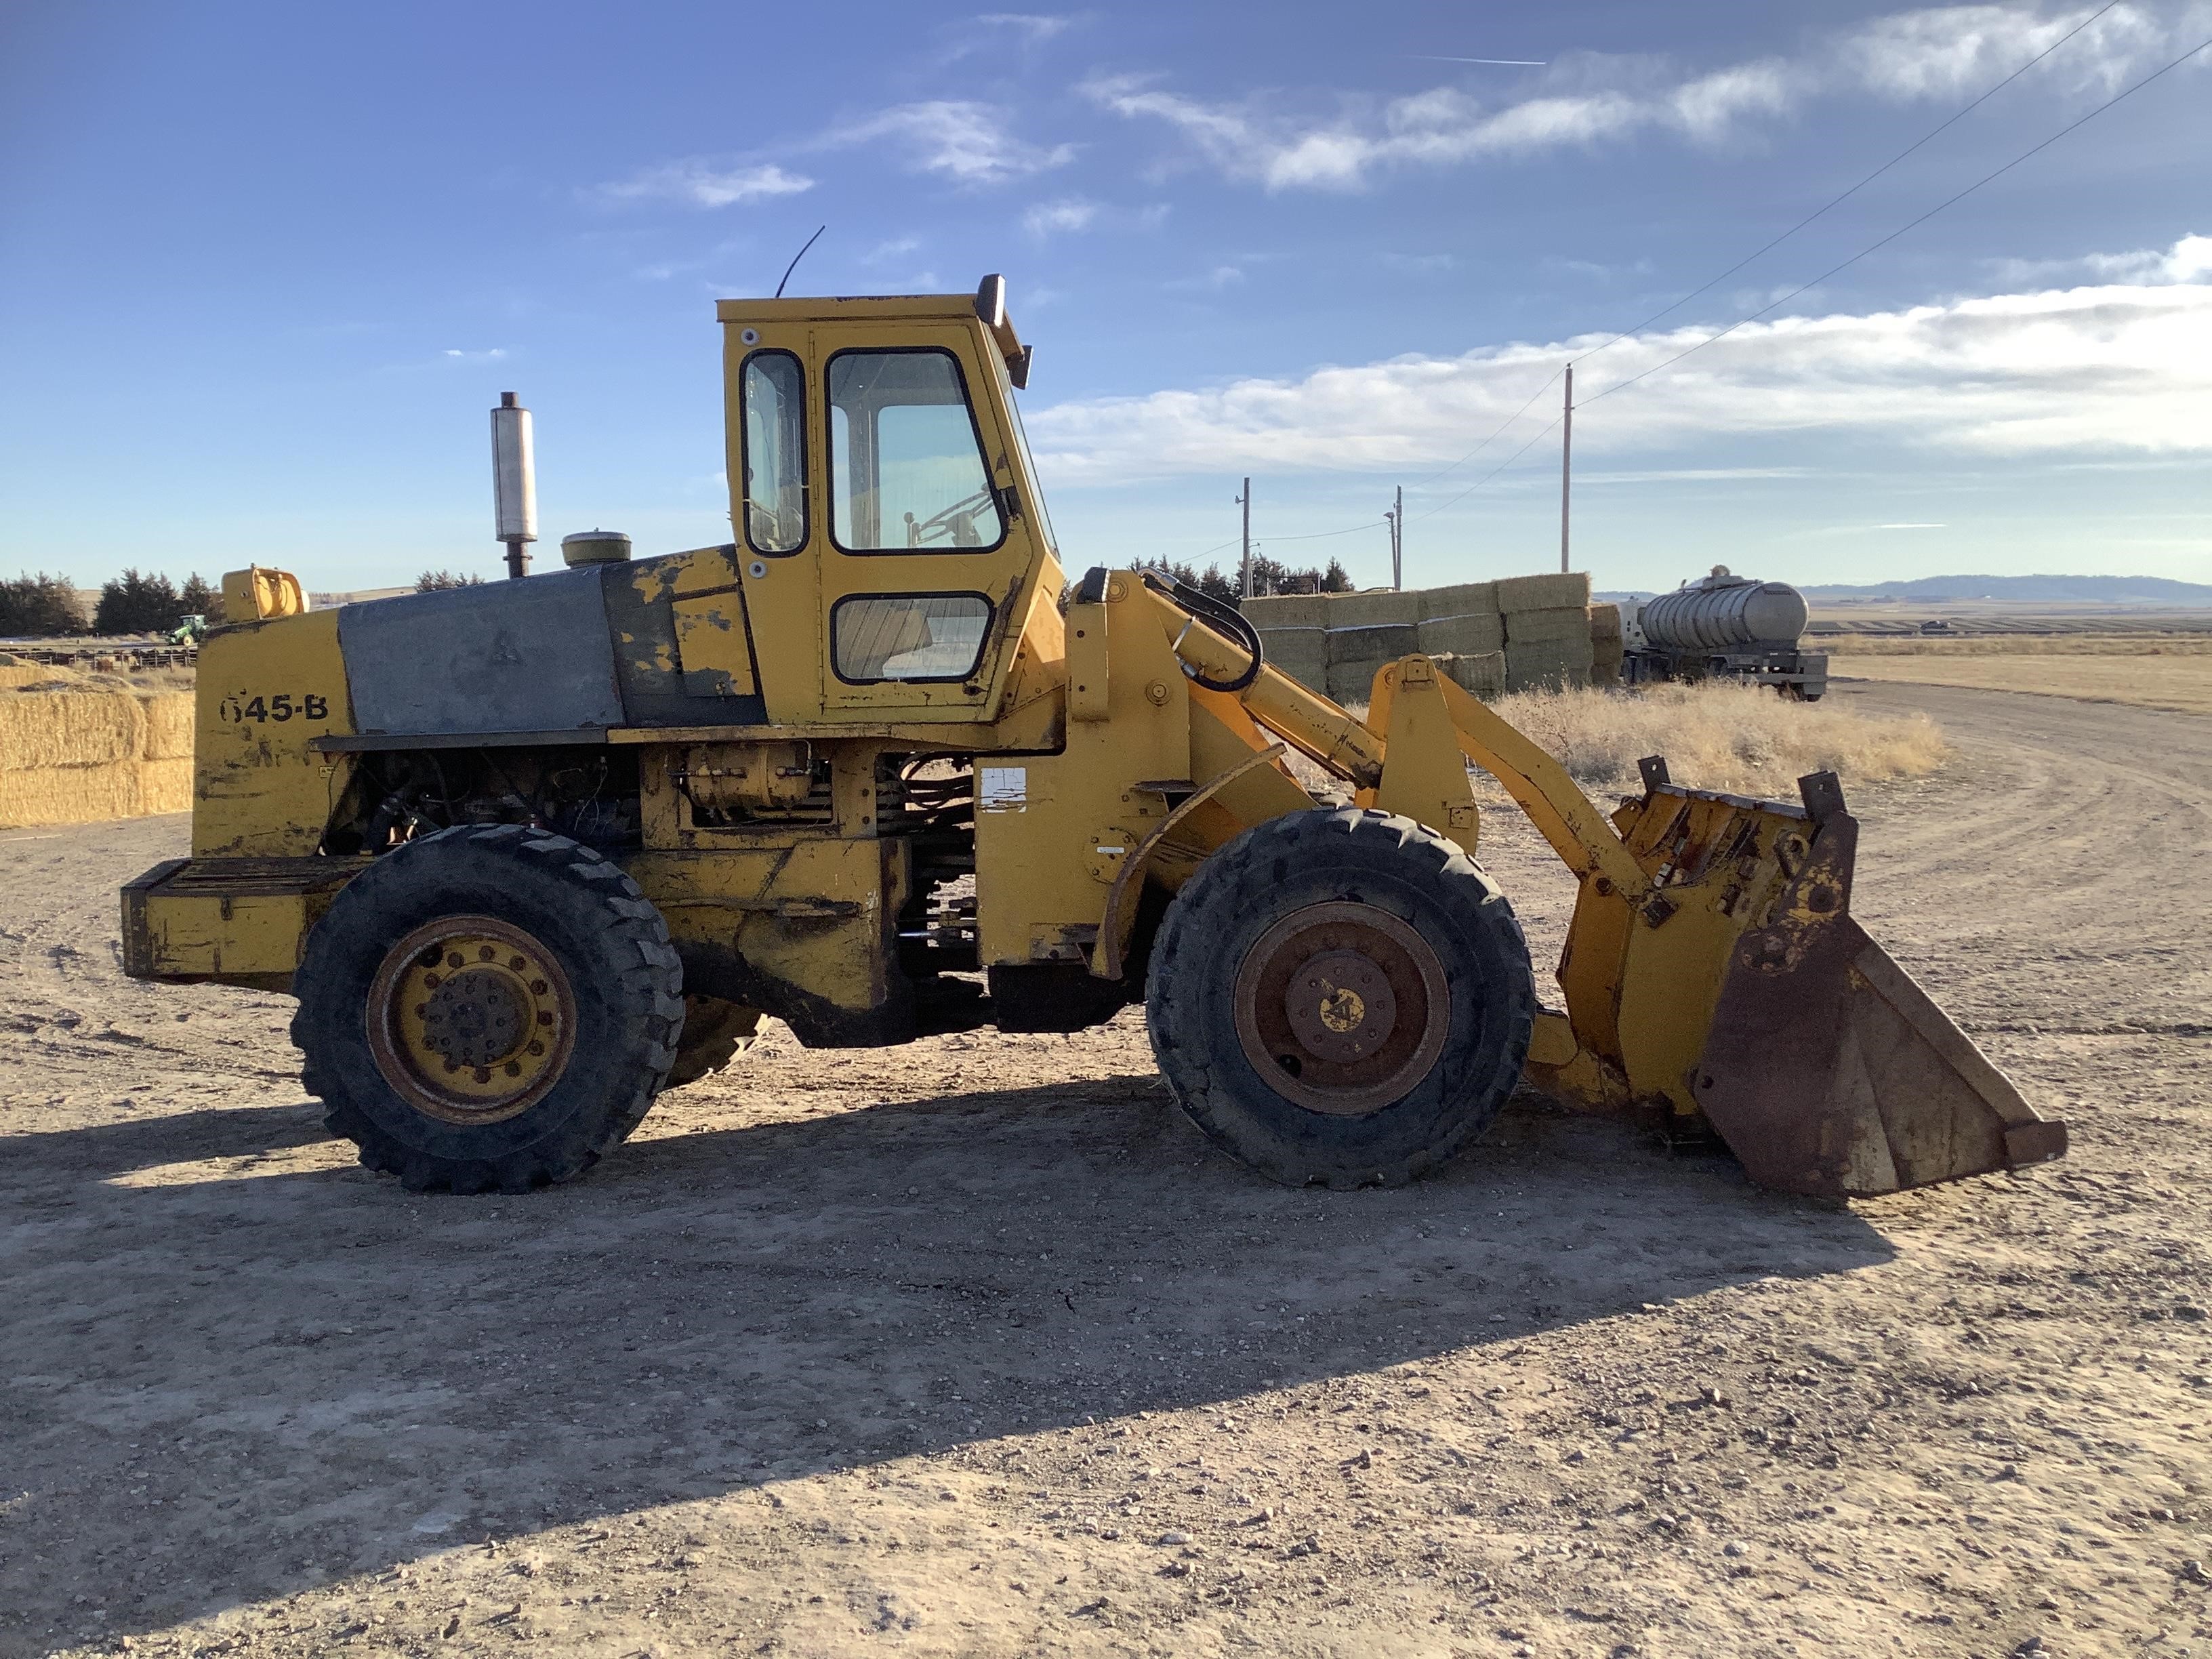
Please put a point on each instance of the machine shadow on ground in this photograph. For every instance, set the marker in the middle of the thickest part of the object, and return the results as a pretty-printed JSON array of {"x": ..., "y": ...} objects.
[{"x": 292, "y": 1371}]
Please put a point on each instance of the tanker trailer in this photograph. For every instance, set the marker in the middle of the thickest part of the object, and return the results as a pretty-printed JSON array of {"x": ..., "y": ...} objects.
[{"x": 1724, "y": 626}]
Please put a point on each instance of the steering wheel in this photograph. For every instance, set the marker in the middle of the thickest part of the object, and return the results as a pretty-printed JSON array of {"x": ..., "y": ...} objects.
[{"x": 942, "y": 521}]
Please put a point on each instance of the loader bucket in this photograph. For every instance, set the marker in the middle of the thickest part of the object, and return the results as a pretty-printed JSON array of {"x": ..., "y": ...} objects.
[{"x": 1829, "y": 1072}]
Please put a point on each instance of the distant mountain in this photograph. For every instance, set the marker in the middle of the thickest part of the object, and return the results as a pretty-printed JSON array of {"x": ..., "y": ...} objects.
[{"x": 2032, "y": 590}]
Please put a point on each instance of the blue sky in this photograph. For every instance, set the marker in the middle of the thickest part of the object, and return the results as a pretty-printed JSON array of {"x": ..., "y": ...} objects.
[{"x": 263, "y": 268}]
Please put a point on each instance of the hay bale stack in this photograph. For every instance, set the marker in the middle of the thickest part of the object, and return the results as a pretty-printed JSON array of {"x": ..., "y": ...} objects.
[
  {"x": 1547, "y": 630},
  {"x": 1462, "y": 620},
  {"x": 1275, "y": 611},
  {"x": 1333, "y": 643},
  {"x": 1561, "y": 591},
  {"x": 1300, "y": 652},
  {"x": 1481, "y": 674},
  {"x": 1515, "y": 634},
  {"x": 69, "y": 728},
  {"x": 169, "y": 716},
  {"x": 80, "y": 757},
  {"x": 1605, "y": 648},
  {"x": 14, "y": 675},
  {"x": 1366, "y": 631},
  {"x": 1293, "y": 635},
  {"x": 1377, "y": 607}
]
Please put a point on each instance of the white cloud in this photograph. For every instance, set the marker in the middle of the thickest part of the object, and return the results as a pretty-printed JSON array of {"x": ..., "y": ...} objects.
[
  {"x": 1948, "y": 51},
  {"x": 1282, "y": 143},
  {"x": 1052, "y": 218},
  {"x": 2116, "y": 368},
  {"x": 703, "y": 184},
  {"x": 2189, "y": 260},
  {"x": 492, "y": 356},
  {"x": 1033, "y": 29},
  {"x": 962, "y": 140},
  {"x": 897, "y": 248},
  {"x": 1211, "y": 282}
]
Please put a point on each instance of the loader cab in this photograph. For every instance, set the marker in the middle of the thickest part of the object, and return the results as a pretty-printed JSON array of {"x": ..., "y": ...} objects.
[{"x": 890, "y": 537}]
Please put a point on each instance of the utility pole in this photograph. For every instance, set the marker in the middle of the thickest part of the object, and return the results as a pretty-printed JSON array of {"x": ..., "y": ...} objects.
[
  {"x": 1566, "y": 465},
  {"x": 1246, "y": 500},
  {"x": 1395, "y": 513}
]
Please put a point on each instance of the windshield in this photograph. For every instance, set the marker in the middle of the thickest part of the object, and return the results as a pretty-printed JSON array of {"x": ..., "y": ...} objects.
[{"x": 906, "y": 469}]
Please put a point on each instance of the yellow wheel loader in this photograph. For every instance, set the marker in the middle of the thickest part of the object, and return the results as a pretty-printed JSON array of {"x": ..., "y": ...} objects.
[{"x": 528, "y": 854}]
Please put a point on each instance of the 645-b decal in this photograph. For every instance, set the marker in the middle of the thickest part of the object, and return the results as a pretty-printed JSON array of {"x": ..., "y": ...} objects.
[{"x": 238, "y": 708}]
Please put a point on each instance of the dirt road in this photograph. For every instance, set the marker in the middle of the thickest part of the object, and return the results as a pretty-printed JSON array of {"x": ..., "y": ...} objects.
[
  {"x": 2180, "y": 682},
  {"x": 978, "y": 1348}
]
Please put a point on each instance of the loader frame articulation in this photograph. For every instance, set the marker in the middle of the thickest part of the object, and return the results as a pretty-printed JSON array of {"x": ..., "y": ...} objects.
[{"x": 799, "y": 751}]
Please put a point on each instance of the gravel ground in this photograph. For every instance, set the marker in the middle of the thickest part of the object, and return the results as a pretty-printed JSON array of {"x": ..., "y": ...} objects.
[{"x": 977, "y": 1347}]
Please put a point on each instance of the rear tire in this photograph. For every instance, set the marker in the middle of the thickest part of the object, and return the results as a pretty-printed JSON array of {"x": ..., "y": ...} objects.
[
  {"x": 1341, "y": 997},
  {"x": 488, "y": 1008}
]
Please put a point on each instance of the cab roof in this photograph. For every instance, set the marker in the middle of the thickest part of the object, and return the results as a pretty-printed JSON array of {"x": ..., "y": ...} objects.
[{"x": 988, "y": 305}]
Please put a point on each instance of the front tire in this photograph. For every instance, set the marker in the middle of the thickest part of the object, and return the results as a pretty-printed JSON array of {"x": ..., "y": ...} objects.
[
  {"x": 492, "y": 1007},
  {"x": 1341, "y": 997}
]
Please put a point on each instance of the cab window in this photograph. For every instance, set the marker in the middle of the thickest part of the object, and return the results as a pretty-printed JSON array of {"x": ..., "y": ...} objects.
[
  {"x": 775, "y": 429},
  {"x": 905, "y": 465},
  {"x": 908, "y": 636}
]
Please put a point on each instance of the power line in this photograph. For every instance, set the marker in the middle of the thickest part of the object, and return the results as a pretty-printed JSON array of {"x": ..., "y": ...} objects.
[
  {"x": 1838, "y": 201},
  {"x": 1550, "y": 427},
  {"x": 1913, "y": 224},
  {"x": 1324, "y": 535},
  {"x": 1871, "y": 248},
  {"x": 1493, "y": 437}
]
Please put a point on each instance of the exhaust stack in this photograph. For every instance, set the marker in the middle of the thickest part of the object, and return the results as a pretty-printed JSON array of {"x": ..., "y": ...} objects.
[{"x": 514, "y": 482}]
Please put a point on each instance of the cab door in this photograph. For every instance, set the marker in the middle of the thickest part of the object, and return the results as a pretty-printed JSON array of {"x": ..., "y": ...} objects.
[{"x": 920, "y": 543}]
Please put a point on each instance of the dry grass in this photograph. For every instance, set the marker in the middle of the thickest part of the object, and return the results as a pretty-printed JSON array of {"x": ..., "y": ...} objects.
[
  {"x": 1738, "y": 739},
  {"x": 2180, "y": 682},
  {"x": 1732, "y": 738},
  {"x": 2015, "y": 645}
]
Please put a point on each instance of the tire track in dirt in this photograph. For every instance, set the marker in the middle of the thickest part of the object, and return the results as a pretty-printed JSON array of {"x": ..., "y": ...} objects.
[{"x": 974, "y": 1347}]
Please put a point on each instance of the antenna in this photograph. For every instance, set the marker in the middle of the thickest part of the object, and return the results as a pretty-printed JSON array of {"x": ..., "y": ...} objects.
[{"x": 796, "y": 257}]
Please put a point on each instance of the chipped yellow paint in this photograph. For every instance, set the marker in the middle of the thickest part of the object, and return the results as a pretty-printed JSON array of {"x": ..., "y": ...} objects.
[{"x": 257, "y": 789}]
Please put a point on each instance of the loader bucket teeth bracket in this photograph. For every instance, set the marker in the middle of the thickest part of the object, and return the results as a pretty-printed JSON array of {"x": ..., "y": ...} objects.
[{"x": 1829, "y": 1072}]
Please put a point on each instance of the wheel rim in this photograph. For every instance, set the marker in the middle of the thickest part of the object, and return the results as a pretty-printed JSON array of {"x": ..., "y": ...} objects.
[
  {"x": 1342, "y": 1008},
  {"x": 471, "y": 1019}
]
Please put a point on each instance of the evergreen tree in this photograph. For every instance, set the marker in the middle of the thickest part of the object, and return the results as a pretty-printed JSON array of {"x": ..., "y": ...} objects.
[
  {"x": 197, "y": 599},
  {"x": 433, "y": 581},
  {"x": 40, "y": 607},
  {"x": 135, "y": 603}
]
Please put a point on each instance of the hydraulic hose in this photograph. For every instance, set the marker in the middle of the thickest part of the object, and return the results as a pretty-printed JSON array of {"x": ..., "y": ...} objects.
[{"x": 1225, "y": 618}]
